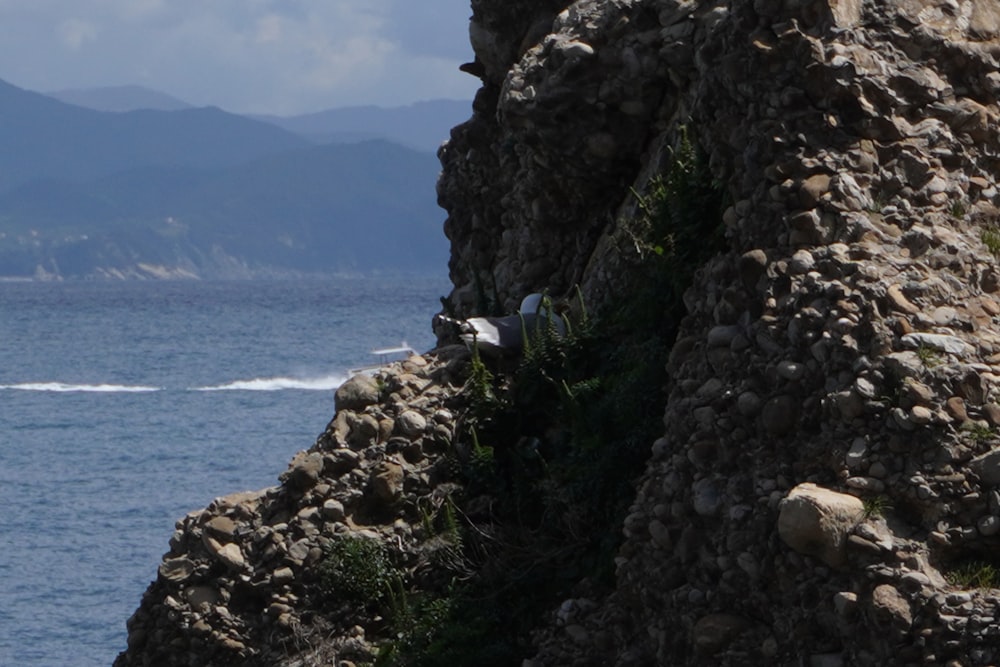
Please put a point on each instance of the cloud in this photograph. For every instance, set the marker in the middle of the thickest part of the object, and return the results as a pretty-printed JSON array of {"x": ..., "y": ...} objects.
[{"x": 285, "y": 56}]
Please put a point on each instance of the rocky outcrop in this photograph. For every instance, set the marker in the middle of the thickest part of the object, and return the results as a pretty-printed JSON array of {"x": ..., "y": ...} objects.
[
  {"x": 249, "y": 580},
  {"x": 846, "y": 339},
  {"x": 825, "y": 488}
]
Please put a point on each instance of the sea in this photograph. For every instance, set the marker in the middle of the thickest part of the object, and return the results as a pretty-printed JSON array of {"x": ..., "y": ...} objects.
[{"x": 126, "y": 405}]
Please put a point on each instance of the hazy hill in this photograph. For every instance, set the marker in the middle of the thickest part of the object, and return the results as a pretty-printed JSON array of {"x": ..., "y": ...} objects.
[
  {"x": 354, "y": 207},
  {"x": 43, "y": 138},
  {"x": 120, "y": 98},
  {"x": 423, "y": 125}
]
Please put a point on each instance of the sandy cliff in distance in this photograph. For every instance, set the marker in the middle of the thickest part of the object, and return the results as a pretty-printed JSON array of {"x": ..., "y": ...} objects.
[{"x": 821, "y": 483}]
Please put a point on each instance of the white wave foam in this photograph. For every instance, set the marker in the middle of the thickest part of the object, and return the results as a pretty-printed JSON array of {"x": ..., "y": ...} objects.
[
  {"x": 324, "y": 383},
  {"x": 61, "y": 387}
]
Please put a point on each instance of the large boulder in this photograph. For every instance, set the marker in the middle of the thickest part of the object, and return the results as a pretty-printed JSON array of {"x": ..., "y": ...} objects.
[{"x": 816, "y": 522}]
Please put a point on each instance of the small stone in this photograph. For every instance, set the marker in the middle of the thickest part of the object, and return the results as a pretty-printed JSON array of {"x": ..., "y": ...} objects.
[
  {"x": 955, "y": 407},
  {"x": 992, "y": 412},
  {"x": 299, "y": 551},
  {"x": 411, "y": 423},
  {"x": 846, "y": 603},
  {"x": 920, "y": 415},
  {"x": 889, "y": 604},
  {"x": 987, "y": 467},
  {"x": 202, "y": 597},
  {"x": 575, "y": 49},
  {"x": 856, "y": 454},
  {"x": 333, "y": 510},
  {"x": 176, "y": 569},
  {"x": 813, "y": 188},
  {"x": 780, "y": 415},
  {"x": 660, "y": 534},
  {"x": 988, "y": 525},
  {"x": 748, "y": 404},
  {"x": 899, "y": 301},
  {"x": 705, "y": 498},
  {"x": 801, "y": 262},
  {"x": 751, "y": 267},
  {"x": 791, "y": 370},
  {"x": 918, "y": 392},
  {"x": 222, "y": 527},
  {"x": 283, "y": 575},
  {"x": 304, "y": 471},
  {"x": 357, "y": 393},
  {"x": 387, "y": 481},
  {"x": 232, "y": 557},
  {"x": 869, "y": 484}
]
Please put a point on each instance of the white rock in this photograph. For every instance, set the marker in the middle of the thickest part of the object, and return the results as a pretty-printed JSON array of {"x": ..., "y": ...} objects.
[
  {"x": 816, "y": 521},
  {"x": 942, "y": 342}
]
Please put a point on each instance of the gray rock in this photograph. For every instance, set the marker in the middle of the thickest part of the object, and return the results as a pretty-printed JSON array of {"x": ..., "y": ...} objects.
[
  {"x": 780, "y": 415},
  {"x": 411, "y": 423},
  {"x": 816, "y": 521},
  {"x": 357, "y": 393},
  {"x": 949, "y": 344}
]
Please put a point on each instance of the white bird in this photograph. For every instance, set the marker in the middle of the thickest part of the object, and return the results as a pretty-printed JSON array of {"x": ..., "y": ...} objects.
[{"x": 506, "y": 334}]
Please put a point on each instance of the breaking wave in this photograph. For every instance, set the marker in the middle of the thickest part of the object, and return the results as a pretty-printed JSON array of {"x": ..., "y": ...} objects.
[{"x": 325, "y": 383}]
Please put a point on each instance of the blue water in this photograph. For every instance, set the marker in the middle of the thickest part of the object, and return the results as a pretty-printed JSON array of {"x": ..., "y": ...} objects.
[{"x": 124, "y": 406}]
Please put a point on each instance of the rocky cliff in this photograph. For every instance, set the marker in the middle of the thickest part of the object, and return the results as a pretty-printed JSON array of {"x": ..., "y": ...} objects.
[{"x": 823, "y": 489}]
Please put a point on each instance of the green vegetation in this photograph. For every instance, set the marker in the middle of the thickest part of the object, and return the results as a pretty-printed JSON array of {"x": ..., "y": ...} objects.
[
  {"x": 928, "y": 356},
  {"x": 554, "y": 444},
  {"x": 974, "y": 574},
  {"x": 991, "y": 239},
  {"x": 977, "y": 431},
  {"x": 958, "y": 208},
  {"x": 357, "y": 569},
  {"x": 875, "y": 507}
]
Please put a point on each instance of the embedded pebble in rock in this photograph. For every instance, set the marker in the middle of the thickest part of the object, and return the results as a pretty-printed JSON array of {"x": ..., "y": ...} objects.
[
  {"x": 411, "y": 423},
  {"x": 801, "y": 262},
  {"x": 357, "y": 393},
  {"x": 790, "y": 370},
  {"x": 779, "y": 415},
  {"x": 231, "y": 555},
  {"x": 949, "y": 344},
  {"x": 816, "y": 521}
]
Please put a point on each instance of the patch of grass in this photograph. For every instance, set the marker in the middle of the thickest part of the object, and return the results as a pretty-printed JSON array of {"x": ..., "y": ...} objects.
[
  {"x": 958, "y": 208},
  {"x": 357, "y": 569},
  {"x": 977, "y": 431},
  {"x": 990, "y": 237},
  {"x": 875, "y": 507},
  {"x": 974, "y": 574},
  {"x": 928, "y": 356}
]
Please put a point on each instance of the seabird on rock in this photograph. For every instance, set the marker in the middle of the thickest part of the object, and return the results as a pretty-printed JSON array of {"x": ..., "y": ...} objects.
[{"x": 506, "y": 334}]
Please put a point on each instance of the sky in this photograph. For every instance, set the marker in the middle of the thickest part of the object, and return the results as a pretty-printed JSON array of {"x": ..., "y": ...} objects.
[{"x": 281, "y": 57}]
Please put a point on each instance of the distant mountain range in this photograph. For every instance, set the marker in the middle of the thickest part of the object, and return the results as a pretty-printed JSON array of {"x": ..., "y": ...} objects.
[
  {"x": 423, "y": 125},
  {"x": 201, "y": 192},
  {"x": 120, "y": 98}
]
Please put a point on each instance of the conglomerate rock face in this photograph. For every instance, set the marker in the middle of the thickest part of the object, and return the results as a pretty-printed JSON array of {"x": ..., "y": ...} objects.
[
  {"x": 847, "y": 339},
  {"x": 828, "y": 462}
]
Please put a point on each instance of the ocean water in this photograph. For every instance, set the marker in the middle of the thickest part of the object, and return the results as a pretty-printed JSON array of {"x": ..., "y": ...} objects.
[{"x": 123, "y": 406}]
